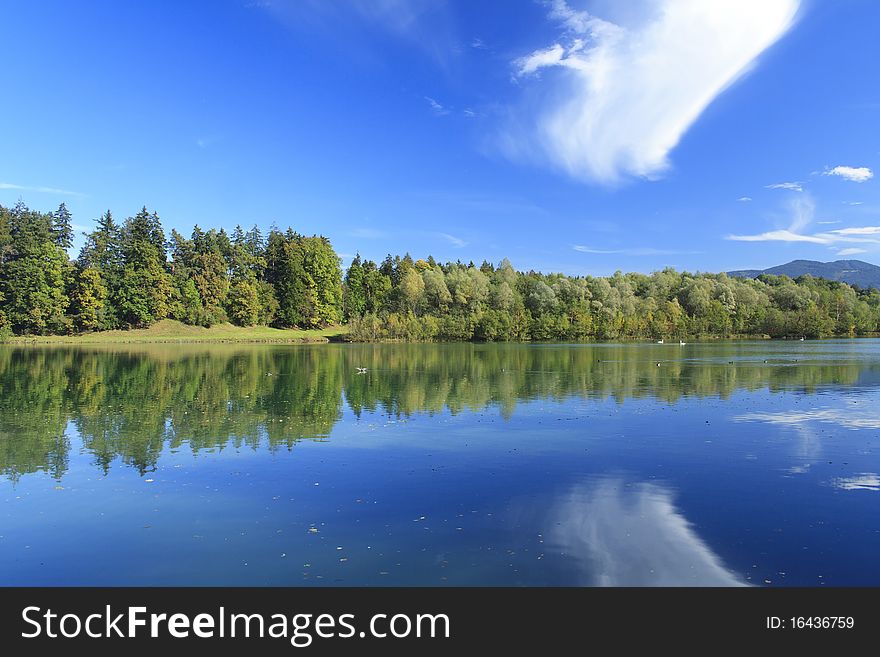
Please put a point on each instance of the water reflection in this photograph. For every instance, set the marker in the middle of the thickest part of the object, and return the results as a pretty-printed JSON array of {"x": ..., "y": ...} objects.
[
  {"x": 864, "y": 481},
  {"x": 128, "y": 404},
  {"x": 631, "y": 534},
  {"x": 845, "y": 418},
  {"x": 805, "y": 423}
]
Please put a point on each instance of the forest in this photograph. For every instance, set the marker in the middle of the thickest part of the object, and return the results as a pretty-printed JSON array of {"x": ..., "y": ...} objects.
[{"x": 130, "y": 274}]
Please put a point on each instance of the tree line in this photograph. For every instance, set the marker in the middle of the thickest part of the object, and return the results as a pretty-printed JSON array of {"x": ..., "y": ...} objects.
[
  {"x": 419, "y": 300},
  {"x": 130, "y": 275}
]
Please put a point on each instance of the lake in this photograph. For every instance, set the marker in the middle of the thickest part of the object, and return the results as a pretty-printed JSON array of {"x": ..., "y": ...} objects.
[{"x": 722, "y": 463}]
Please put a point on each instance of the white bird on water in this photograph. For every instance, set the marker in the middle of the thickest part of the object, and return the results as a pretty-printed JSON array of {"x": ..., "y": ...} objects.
[
  {"x": 659, "y": 341},
  {"x": 681, "y": 342}
]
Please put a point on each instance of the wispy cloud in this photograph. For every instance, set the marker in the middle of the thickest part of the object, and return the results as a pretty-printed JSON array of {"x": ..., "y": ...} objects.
[
  {"x": 368, "y": 233},
  {"x": 802, "y": 210},
  {"x": 427, "y": 25},
  {"x": 792, "y": 186},
  {"x": 436, "y": 107},
  {"x": 637, "y": 251},
  {"x": 778, "y": 236},
  {"x": 204, "y": 142},
  {"x": 855, "y": 174},
  {"x": 482, "y": 203},
  {"x": 851, "y": 251},
  {"x": 621, "y": 103},
  {"x": 828, "y": 238},
  {"x": 853, "y": 202},
  {"x": 457, "y": 242},
  {"x": 39, "y": 189},
  {"x": 859, "y": 230},
  {"x": 744, "y": 199},
  {"x": 478, "y": 44}
]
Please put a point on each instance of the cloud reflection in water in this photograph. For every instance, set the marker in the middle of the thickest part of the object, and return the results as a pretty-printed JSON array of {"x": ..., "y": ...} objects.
[{"x": 633, "y": 535}]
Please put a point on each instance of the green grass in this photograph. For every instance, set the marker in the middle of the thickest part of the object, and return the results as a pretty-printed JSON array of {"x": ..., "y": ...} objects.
[{"x": 169, "y": 331}]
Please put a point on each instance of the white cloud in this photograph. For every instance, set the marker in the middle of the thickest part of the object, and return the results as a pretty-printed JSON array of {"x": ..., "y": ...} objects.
[
  {"x": 638, "y": 251},
  {"x": 368, "y": 233},
  {"x": 853, "y": 202},
  {"x": 457, "y": 242},
  {"x": 428, "y": 25},
  {"x": 791, "y": 236},
  {"x": 778, "y": 236},
  {"x": 744, "y": 199},
  {"x": 855, "y": 174},
  {"x": 851, "y": 251},
  {"x": 478, "y": 43},
  {"x": 436, "y": 107},
  {"x": 802, "y": 209},
  {"x": 792, "y": 186},
  {"x": 861, "y": 230},
  {"x": 630, "y": 91},
  {"x": 40, "y": 190}
]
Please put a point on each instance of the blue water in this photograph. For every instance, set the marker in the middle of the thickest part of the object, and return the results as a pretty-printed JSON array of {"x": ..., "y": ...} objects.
[{"x": 521, "y": 465}]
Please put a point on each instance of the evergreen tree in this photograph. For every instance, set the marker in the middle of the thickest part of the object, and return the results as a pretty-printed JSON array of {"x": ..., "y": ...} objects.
[
  {"x": 287, "y": 275},
  {"x": 144, "y": 292},
  {"x": 34, "y": 275},
  {"x": 62, "y": 230},
  {"x": 354, "y": 295}
]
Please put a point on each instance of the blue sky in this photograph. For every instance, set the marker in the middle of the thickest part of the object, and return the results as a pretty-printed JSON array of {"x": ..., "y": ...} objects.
[{"x": 581, "y": 137}]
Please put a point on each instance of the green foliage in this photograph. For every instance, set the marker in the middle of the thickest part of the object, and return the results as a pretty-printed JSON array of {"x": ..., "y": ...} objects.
[
  {"x": 188, "y": 307},
  {"x": 268, "y": 303},
  {"x": 87, "y": 299},
  {"x": 305, "y": 274},
  {"x": 124, "y": 278},
  {"x": 244, "y": 303},
  {"x": 354, "y": 300},
  {"x": 34, "y": 274},
  {"x": 497, "y": 303},
  {"x": 62, "y": 229}
]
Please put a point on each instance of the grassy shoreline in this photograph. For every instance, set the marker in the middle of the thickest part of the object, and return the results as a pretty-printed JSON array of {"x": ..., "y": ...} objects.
[
  {"x": 170, "y": 331},
  {"x": 173, "y": 332}
]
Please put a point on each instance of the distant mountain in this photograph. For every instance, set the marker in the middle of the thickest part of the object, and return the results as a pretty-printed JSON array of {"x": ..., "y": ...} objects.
[{"x": 854, "y": 272}]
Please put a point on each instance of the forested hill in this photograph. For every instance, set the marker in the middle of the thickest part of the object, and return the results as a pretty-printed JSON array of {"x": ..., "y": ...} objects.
[
  {"x": 854, "y": 272},
  {"x": 130, "y": 274}
]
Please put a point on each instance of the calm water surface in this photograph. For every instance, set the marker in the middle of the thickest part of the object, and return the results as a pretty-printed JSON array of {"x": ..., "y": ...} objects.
[{"x": 726, "y": 463}]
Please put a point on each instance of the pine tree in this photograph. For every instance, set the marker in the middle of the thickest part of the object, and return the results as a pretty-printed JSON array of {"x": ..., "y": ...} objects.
[
  {"x": 62, "y": 230},
  {"x": 34, "y": 275},
  {"x": 354, "y": 297}
]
